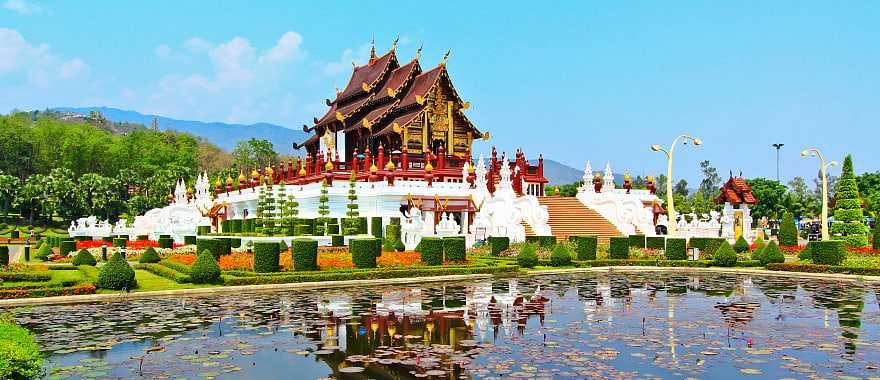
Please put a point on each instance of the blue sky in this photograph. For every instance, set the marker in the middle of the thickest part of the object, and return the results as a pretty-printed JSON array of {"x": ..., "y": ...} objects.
[{"x": 577, "y": 81}]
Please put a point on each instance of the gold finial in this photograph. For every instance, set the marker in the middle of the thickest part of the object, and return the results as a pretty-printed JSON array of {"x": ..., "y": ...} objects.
[
  {"x": 255, "y": 174},
  {"x": 445, "y": 57},
  {"x": 419, "y": 52},
  {"x": 471, "y": 169},
  {"x": 389, "y": 165},
  {"x": 302, "y": 170},
  {"x": 241, "y": 177},
  {"x": 373, "y": 168},
  {"x": 598, "y": 175},
  {"x": 189, "y": 190},
  {"x": 394, "y": 44},
  {"x": 429, "y": 168},
  {"x": 269, "y": 170},
  {"x": 626, "y": 176},
  {"x": 228, "y": 179},
  {"x": 329, "y": 165},
  {"x": 373, "y": 47},
  {"x": 218, "y": 183},
  {"x": 650, "y": 178}
]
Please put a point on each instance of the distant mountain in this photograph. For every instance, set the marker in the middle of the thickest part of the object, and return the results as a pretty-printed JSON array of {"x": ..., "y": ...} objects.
[
  {"x": 221, "y": 134},
  {"x": 561, "y": 174}
]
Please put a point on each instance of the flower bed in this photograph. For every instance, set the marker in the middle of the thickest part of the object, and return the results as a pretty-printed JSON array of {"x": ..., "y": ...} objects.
[
  {"x": 819, "y": 268},
  {"x": 292, "y": 277},
  {"x": 237, "y": 261},
  {"x": 48, "y": 291},
  {"x": 185, "y": 259}
]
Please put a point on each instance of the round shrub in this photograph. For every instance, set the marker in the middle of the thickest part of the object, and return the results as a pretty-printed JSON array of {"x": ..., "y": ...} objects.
[
  {"x": 116, "y": 274},
  {"x": 363, "y": 252},
  {"x": 4, "y": 256},
  {"x": 432, "y": 251},
  {"x": 205, "y": 269},
  {"x": 149, "y": 256},
  {"x": 83, "y": 257},
  {"x": 741, "y": 245},
  {"x": 725, "y": 256},
  {"x": 20, "y": 356},
  {"x": 266, "y": 257},
  {"x": 528, "y": 256},
  {"x": 120, "y": 242},
  {"x": 619, "y": 248},
  {"x": 44, "y": 251},
  {"x": 828, "y": 252},
  {"x": 67, "y": 247},
  {"x": 455, "y": 248},
  {"x": 771, "y": 254},
  {"x": 585, "y": 246},
  {"x": 305, "y": 254},
  {"x": 806, "y": 253},
  {"x": 788, "y": 233},
  {"x": 561, "y": 256},
  {"x": 676, "y": 249}
]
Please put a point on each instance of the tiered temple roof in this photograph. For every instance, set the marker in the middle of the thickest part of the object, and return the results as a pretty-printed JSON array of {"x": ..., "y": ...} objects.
[{"x": 736, "y": 191}]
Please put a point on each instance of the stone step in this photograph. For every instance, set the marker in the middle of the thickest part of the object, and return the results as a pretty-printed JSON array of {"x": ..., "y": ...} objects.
[{"x": 568, "y": 216}]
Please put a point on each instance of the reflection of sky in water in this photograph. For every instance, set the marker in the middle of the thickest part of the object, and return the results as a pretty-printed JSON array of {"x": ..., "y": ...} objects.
[{"x": 619, "y": 326}]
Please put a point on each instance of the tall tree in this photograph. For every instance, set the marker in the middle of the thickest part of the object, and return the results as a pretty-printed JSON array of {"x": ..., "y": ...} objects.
[
  {"x": 800, "y": 200},
  {"x": 254, "y": 153},
  {"x": 711, "y": 180},
  {"x": 8, "y": 190},
  {"x": 771, "y": 195},
  {"x": 849, "y": 223},
  {"x": 681, "y": 188}
]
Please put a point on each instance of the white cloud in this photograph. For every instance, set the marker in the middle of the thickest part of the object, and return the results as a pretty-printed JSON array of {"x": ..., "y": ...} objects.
[
  {"x": 287, "y": 48},
  {"x": 348, "y": 56},
  {"x": 162, "y": 51},
  {"x": 36, "y": 63},
  {"x": 197, "y": 45},
  {"x": 22, "y": 7}
]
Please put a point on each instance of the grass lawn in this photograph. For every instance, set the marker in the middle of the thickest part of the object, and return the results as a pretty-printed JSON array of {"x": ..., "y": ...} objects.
[{"x": 150, "y": 282}]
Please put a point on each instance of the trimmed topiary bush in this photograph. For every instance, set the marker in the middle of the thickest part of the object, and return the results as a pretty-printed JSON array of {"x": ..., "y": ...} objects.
[
  {"x": 189, "y": 240},
  {"x": 788, "y": 233},
  {"x": 216, "y": 247},
  {"x": 166, "y": 242},
  {"x": 44, "y": 251},
  {"x": 848, "y": 223},
  {"x": 116, "y": 274},
  {"x": 741, "y": 245},
  {"x": 376, "y": 227},
  {"x": 707, "y": 246},
  {"x": 142, "y": 237},
  {"x": 655, "y": 242},
  {"x": 205, "y": 269},
  {"x": 619, "y": 248},
  {"x": 337, "y": 240},
  {"x": 499, "y": 244},
  {"x": 561, "y": 256},
  {"x": 266, "y": 257},
  {"x": 828, "y": 252},
  {"x": 637, "y": 241},
  {"x": 305, "y": 254},
  {"x": 66, "y": 247},
  {"x": 806, "y": 253},
  {"x": 4, "y": 256},
  {"x": 528, "y": 256},
  {"x": 149, "y": 256},
  {"x": 83, "y": 257},
  {"x": 333, "y": 229},
  {"x": 547, "y": 241},
  {"x": 203, "y": 230},
  {"x": 585, "y": 246},
  {"x": 676, "y": 249},
  {"x": 771, "y": 254},
  {"x": 235, "y": 226},
  {"x": 120, "y": 242},
  {"x": 725, "y": 256},
  {"x": 392, "y": 238},
  {"x": 455, "y": 248},
  {"x": 20, "y": 356},
  {"x": 432, "y": 251},
  {"x": 363, "y": 252},
  {"x": 282, "y": 246}
]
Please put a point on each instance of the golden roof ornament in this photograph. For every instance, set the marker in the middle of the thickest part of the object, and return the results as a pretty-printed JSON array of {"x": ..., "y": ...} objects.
[
  {"x": 241, "y": 176},
  {"x": 373, "y": 168},
  {"x": 429, "y": 168},
  {"x": 445, "y": 58},
  {"x": 650, "y": 178},
  {"x": 255, "y": 174},
  {"x": 626, "y": 176},
  {"x": 302, "y": 170},
  {"x": 373, "y": 48},
  {"x": 598, "y": 175},
  {"x": 366, "y": 86},
  {"x": 339, "y": 116},
  {"x": 329, "y": 165},
  {"x": 228, "y": 179},
  {"x": 189, "y": 190},
  {"x": 367, "y": 124},
  {"x": 354, "y": 66},
  {"x": 486, "y": 136},
  {"x": 419, "y": 53},
  {"x": 391, "y": 92},
  {"x": 389, "y": 166},
  {"x": 394, "y": 44},
  {"x": 269, "y": 171},
  {"x": 471, "y": 169},
  {"x": 218, "y": 183}
]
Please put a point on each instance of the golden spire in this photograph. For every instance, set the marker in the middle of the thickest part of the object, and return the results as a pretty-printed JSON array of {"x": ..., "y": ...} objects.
[
  {"x": 241, "y": 176},
  {"x": 373, "y": 48},
  {"x": 329, "y": 165},
  {"x": 255, "y": 174},
  {"x": 217, "y": 184},
  {"x": 389, "y": 166},
  {"x": 471, "y": 169},
  {"x": 302, "y": 169},
  {"x": 429, "y": 168},
  {"x": 228, "y": 179},
  {"x": 419, "y": 52},
  {"x": 373, "y": 168},
  {"x": 445, "y": 57},
  {"x": 394, "y": 44}
]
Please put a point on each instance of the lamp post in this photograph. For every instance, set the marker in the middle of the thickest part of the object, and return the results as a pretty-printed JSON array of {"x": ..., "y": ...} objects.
[
  {"x": 670, "y": 206},
  {"x": 778, "y": 146},
  {"x": 823, "y": 170}
]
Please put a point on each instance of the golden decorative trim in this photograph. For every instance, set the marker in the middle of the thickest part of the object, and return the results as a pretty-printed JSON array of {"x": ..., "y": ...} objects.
[{"x": 420, "y": 100}]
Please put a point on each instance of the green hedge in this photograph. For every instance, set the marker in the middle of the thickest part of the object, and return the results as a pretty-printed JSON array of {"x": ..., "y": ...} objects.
[
  {"x": 25, "y": 276},
  {"x": 637, "y": 241},
  {"x": 235, "y": 226},
  {"x": 432, "y": 251},
  {"x": 332, "y": 229},
  {"x": 66, "y": 247},
  {"x": 585, "y": 246},
  {"x": 676, "y": 249},
  {"x": 376, "y": 227},
  {"x": 217, "y": 247},
  {"x": 116, "y": 274},
  {"x": 655, "y": 242},
  {"x": 149, "y": 256},
  {"x": 499, "y": 244},
  {"x": 455, "y": 248},
  {"x": 822, "y": 268},
  {"x": 203, "y": 230},
  {"x": 224, "y": 227},
  {"x": 365, "y": 274},
  {"x": 725, "y": 256},
  {"x": 337, "y": 240},
  {"x": 4, "y": 256},
  {"x": 266, "y": 257},
  {"x": 20, "y": 356},
  {"x": 547, "y": 241},
  {"x": 120, "y": 242},
  {"x": 363, "y": 252},
  {"x": 166, "y": 242},
  {"x": 560, "y": 256},
  {"x": 164, "y": 271},
  {"x": 828, "y": 252},
  {"x": 83, "y": 257},
  {"x": 247, "y": 225},
  {"x": 189, "y": 240},
  {"x": 619, "y": 248},
  {"x": 528, "y": 256},
  {"x": 305, "y": 255},
  {"x": 707, "y": 246}
]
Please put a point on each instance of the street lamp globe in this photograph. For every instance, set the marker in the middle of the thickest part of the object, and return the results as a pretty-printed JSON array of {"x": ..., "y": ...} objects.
[
  {"x": 656, "y": 147},
  {"x": 805, "y": 153},
  {"x": 698, "y": 142}
]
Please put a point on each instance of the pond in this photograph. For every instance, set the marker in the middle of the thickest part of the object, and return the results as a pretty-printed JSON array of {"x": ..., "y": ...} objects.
[{"x": 620, "y": 325}]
